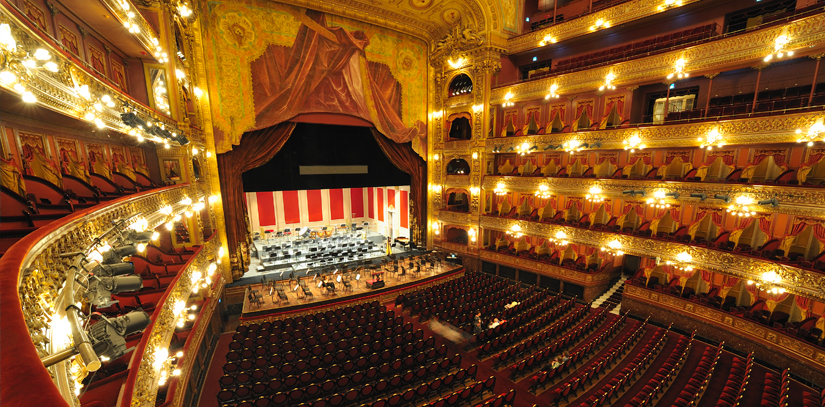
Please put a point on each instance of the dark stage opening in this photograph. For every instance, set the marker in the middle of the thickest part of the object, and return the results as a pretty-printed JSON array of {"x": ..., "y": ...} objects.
[{"x": 336, "y": 156}]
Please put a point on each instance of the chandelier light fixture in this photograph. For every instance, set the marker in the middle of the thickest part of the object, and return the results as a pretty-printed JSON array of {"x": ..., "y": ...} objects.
[
  {"x": 682, "y": 262},
  {"x": 552, "y": 94},
  {"x": 548, "y": 39},
  {"x": 634, "y": 143},
  {"x": 525, "y": 148},
  {"x": 679, "y": 70},
  {"x": 713, "y": 137},
  {"x": 559, "y": 238},
  {"x": 458, "y": 63},
  {"x": 779, "y": 45},
  {"x": 500, "y": 189},
  {"x": 508, "y": 100},
  {"x": 573, "y": 146},
  {"x": 814, "y": 132},
  {"x": 515, "y": 231},
  {"x": 543, "y": 192},
  {"x": 594, "y": 195},
  {"x": 770, "y": 281},
  {"x": 614, "y": 248},
  {"x": 659, "y": 197},
  {"x": 599, "y": 24},
  {"x": 472, "y": 234},
  {"x": 669, "y": 3},
  {"x": 608, "y": 82},
  {"x": 741, "y": 207}
]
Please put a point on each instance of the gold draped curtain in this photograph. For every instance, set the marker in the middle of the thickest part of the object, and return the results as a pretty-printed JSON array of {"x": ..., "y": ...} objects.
[{"x": 11, "y": 178}]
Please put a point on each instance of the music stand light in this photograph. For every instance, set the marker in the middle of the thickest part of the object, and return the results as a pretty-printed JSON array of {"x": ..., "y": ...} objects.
[
  {"x": 320, "y": 283},
  {"x": 296, "y": 287}
]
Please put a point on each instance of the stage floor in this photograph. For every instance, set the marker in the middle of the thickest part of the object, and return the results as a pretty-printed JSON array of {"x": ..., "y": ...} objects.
[{"x": 270, "y": 300}]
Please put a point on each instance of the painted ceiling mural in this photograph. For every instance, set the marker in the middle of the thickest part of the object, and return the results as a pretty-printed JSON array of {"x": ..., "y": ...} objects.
[{"x": 242, "y": 32}]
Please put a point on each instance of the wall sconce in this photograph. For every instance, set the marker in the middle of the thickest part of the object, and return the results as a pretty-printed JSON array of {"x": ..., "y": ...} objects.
[
  {"x": 779, "y": 45},
  {"x": 543, "y": 192},
  {"x": 436, "y": 228},
  {"x": 814, "y": 132},
  {"x": 457, "y": 64},
  {"x": 658, "y": 200},
  {"x": 475, "y": 156},
  {"x": 608, "y": 82},
  {"x": 599, "y": 24},
  {"x": 552, "y": 94},
  {"x": 508, "y": 100},
  {"x": 500, "y": 189},
  {"x": 679, "y": 70},
  {"x": 477, "y": 108},
  {"x": 435, "y": 157},
  {"x": 475, "y": 190},
  {"x": 595, "y": 195},
  {"x": 548, "y": 39},
  {"x": 472, "y": 234},
  {"x": 770, "y": 279},
  {"x": 669, "y": 3},
  {"x": 614, "y": 248},
  {"x": 437, "y": 114},
  {"x": 633, "y": 143},
  {"x": 515, "y": 231},
  {"x": 713, "y": 137}
]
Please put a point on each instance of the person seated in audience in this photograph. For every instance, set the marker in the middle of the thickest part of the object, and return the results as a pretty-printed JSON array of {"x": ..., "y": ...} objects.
[
  {"x": 477, "y": 323},
  {"x": 564, "y": 357},
  {"x": 495, "y": 323},
  {"x": 511, "y": 305},
  {"x": 555, "y": 363}
]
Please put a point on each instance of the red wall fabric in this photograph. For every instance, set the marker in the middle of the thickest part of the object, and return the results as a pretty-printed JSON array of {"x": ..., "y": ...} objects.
[
  {"x": 405, "y": 209},
  {"x": 292, "y": 210},
  {"x": 370, "y": 193},
  {"x": 266, "y": 208},
  {"x": 315, "y": 208},
  {"x": 336, "y": 204},
  {"x": 356, "y": 202},
  {"x": 391, "y": 198},
  {"x": 380, "y": 192}
]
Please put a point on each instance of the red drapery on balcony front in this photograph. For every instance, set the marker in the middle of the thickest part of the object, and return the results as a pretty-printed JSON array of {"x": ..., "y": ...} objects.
[
  {"x": 774, "y": 299},
  {"x": 804, "y": 305},
  {"x": 727, "y": 285},
  {"x": 556, "y": 111}
]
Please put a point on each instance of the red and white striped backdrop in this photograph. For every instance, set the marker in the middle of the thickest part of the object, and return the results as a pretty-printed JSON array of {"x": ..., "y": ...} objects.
[{"x": 320, "y": 207}]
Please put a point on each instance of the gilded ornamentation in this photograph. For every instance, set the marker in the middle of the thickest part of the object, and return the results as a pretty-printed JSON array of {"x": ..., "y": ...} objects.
[
  {"x": 545, "y": 269},
  {"x": 461, "y": 38},
  {"x": 740, "y": 49},
  {"x": 799, "y": 281}
]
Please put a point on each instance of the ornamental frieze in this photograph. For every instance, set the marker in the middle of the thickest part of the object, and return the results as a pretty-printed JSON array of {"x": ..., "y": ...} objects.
[
  {"x": 787, "y": 345},
  {"x": 566, "y": 274},
  {"x": 794, "y": 200},
  {"x": 796, "y": 280},
  {"x": 750, "y": 47},
  {"x": 757, "y": 130},
  {"x": 456, "y": 218}
]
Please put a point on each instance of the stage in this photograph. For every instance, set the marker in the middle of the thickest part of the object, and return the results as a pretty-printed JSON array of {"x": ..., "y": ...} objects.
[{"x": 286, "y": 295}]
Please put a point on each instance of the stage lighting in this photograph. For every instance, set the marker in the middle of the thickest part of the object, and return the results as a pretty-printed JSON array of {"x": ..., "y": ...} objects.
[
  {"x": 111, "y": 270},
  {"x": 100, "y": 289},
  {"x": 117, "y": 253},
  {"x": 132, "y": 120},
  {"x": 108, "y": 336},
  {"x": 182, "y": 140}
]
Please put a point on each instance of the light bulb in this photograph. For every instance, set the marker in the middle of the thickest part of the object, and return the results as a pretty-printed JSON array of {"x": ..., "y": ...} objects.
[
  {"x": 7, "y": 77},
  {"x": 29, "y": 97},
  {"x": 42, "y": 54}
]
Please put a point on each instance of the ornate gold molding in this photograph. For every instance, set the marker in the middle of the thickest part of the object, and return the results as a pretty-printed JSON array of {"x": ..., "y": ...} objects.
[
  {"x": 796, "y": 280},
  {"x": 620, "y": 14},
  {"x": 752, "y": 130},
  {"x": 806, "y": 34},
  {"x": 456, "y": 218},
  {"x": 562, "y": 273},
  {"x": 786, "y": 344},
  {"x": 795, "y": 200}
]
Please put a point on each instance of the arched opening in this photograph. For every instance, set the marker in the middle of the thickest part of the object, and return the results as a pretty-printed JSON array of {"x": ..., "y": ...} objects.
[
  {"x": 675, "y": 170},
  {"x": 613, "y": 118},
  {"x": 456, "y": 235},
  {"x": 458, "y": 201},
  {"x": 460, "y": 129},
  {"x": 805, "y": 244},
  {"x": 604, "y": 169},
  {"x": 557, "y": 125},
  {"x": 460, "y": 85},
  {"x": 458, "y": 166},
  {"x": 584, "y": 123},
  {"x": 532, "y": 125}
]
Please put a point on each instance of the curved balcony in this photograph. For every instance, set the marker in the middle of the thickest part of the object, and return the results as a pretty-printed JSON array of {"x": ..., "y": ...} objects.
[{"x": 35, "y": 276}]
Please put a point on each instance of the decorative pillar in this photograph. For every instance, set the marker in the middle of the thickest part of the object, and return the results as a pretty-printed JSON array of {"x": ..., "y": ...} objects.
[
  {"x": 818, "y": 58},
  {"x": 710, "y": 88},
  {"x": 756, "y": 89}
]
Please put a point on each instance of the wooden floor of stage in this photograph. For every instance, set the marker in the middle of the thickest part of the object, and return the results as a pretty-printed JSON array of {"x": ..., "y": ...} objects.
[{"x": 270, "y": 301}]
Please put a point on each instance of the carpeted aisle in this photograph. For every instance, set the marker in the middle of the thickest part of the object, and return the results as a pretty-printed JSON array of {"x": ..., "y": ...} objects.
[
  {"x": 211, "y": 386},
  {"x": 717, "y": 381}
]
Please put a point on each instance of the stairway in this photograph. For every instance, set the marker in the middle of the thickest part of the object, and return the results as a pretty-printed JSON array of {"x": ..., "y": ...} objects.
[{"x": 612, "y": 298}]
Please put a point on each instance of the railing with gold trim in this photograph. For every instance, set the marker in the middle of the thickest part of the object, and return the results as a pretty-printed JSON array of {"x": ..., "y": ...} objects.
[
  {"x": 794, "y": 279},
  {"x": 40, "y": 273}
]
